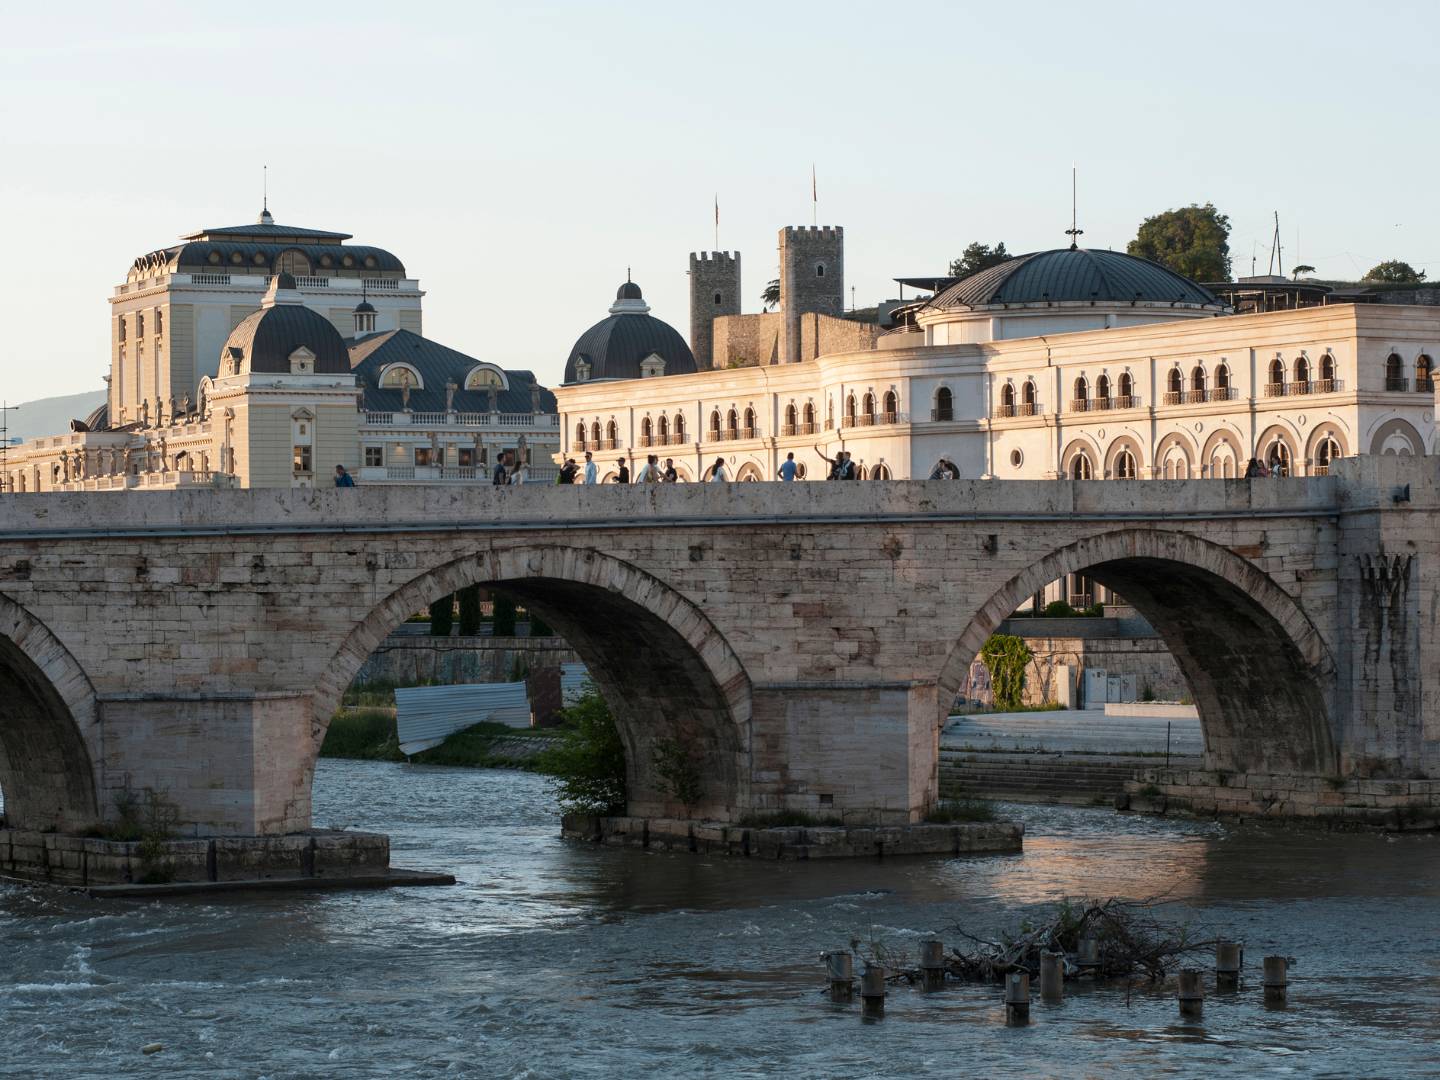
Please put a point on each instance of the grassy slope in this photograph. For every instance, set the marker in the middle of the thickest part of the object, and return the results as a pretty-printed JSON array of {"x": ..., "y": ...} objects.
[{"x": 369, "y": 735}]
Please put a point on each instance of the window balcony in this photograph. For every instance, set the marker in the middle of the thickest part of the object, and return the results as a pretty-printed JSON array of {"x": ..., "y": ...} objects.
[
  {"x": 807, "y": 429},
  {"x": 889, "y": 417},
  {"x": 609, "y": 444},
  {"x": 1221, "y": 393},
  {"x": 1128, "y": 401},
  {"x": 1002, "y": 411},
  {"x": 787, "y": 430},
  {"x": 1275, "y": 389},
  {"x": 1392, "y": 383},
  {"x": 750, "y": 433},
  {"x": 1425, "y": 385},
  {"x": 646, "y": 440},
  {"x": 941, "y": 415}
]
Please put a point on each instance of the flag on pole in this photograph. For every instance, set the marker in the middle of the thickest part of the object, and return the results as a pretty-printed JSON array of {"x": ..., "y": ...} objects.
[
  {"x": 717, "y": 209},
  {"x": 814, "y": 191}
]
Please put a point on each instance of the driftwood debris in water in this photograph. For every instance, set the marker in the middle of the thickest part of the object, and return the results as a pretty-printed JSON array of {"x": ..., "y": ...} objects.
[{"x": 1130, "y": 941}]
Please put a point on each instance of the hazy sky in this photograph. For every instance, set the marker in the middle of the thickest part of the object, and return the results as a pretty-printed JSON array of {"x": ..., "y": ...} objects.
[{"x": 519, "y": 157}]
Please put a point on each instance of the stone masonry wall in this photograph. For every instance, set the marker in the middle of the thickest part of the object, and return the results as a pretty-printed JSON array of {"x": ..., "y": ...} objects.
[{"x": 415, "y": 659}]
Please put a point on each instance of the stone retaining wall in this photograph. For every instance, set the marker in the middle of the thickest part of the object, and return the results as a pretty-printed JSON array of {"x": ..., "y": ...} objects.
[
  {"x": 1385, "y": 804},
  {"x": 416, "y": 659},
  {"x": 796, "y": 842},
  {"x": 82, "y": 860}
]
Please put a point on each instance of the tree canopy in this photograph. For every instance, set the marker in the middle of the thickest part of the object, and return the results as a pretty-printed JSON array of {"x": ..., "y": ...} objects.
[
  {"x": 979, "y": 257},
  {"x": 1395, "y": 272},
  {"x": 771, "y": 296},
  {"x": 1303, "y": 268},
  {"x": 1191, "y": 240}
]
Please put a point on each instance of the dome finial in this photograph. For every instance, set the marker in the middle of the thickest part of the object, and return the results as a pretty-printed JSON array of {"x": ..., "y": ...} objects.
[
  {"x": 265, "y": 218},
  {"x": 1074, "y": 231}
]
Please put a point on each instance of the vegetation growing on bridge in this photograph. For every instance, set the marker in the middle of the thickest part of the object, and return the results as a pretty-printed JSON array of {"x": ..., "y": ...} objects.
[
  {"x": 587, "y": 762},
  {"x": 1005, "y": 657}
]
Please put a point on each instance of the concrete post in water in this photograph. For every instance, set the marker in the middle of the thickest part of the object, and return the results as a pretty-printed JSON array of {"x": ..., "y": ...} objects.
[
  {"x": 1089, "y": 953},
  {"x": 1276, "y": 978},
  {"x": 1191, "y": 994},
  {"x": 872, "y": 992},
  {"x": 932, "y": 964},
  {"x": 1229, "y": 958},
  {"x": 1052, "y": 977},
  {"x": 841, "y": 967},
  {"x": 1017, "y": 998}
]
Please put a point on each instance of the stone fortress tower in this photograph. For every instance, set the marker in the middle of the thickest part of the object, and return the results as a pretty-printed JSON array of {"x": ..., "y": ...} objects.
[
  {"x": 812, "y": 281},
  {"x": 811, "y": 319},
  {"x": 714, "y": 291}
]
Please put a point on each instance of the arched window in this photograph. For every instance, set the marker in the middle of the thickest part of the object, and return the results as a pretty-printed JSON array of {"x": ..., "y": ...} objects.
[
  {"x": 867, "y": 414},
  {"x": 1007, "y": 399},
  {"x": 790, "y": 419},
  {"x": 1302, "y": 375},
  {"x": 580, "y": 436},
  {"x": 292, "y": 262},
  {"x": 1102, "y": 391},
  {"x": 1127, "y": 391},
  {"x": 1276, "y": 387},
  {"x": 718, "y": 300},
  {"x": 819, "y": 269},
  {"x": 1424, "y": 383},
  {"x": 715, "y": 425},
  {"x": 595, "y": 435},
  {"x": 1278, "y": 458},
  {"x": 1080, "y": 468},
  {"x": 662, "y": 429},
  {"x": 732, "y": 424},
  {"x": 612, "y": 435},
  {"x": 944, "y": 404},
  {"x": 1028, "y": 398},
  {"x": 750, "y": 430},
  {"x": 1222, "y": 382},
  {"x": 809, "y": 415},
  {"x": 892, "y": 407},
  {"x": 1175, "y": 383},
  {"x": 850, "y": 411},
  {"x": 1125, "y": 466},
  {"x": 1197, "y": 380},
  {"x": 646, "y": 431},
  {"x": 1082, "y": 394},
  {"x": 1327, "y": 374},
  {"x": 679, "y": 428},
  {"x": 1326, "y": 451},
  {"x": 1394, "y": 372}
]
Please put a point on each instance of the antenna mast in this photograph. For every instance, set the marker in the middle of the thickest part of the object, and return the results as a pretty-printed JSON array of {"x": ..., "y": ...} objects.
[
  {"x": 1277, "y": 255},
  {"x": 1074, "y": 232},
  {"x": 5, "y": 410}
]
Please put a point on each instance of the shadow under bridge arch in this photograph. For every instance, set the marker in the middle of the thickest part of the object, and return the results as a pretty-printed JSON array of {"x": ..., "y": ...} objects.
[
  {"x": 667, "y": 673},
  {"x": 48, "y": 715},
  {"x": 1259, "y": 672}
]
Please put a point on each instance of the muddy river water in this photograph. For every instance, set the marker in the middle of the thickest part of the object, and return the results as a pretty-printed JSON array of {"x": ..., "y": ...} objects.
[{"x": 557, "y": 960}]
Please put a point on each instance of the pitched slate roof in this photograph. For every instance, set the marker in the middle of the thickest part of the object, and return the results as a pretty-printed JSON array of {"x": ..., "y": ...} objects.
[
  {"x": 437, "y": 365},
  {"x": 279, "y": 232},
  {"x": 1071, "y": 275}
]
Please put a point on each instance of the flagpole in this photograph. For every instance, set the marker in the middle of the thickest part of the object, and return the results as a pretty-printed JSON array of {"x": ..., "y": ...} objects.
[
  {"x": 717, "y": 221},
  {"x": 814, "y": 199}
]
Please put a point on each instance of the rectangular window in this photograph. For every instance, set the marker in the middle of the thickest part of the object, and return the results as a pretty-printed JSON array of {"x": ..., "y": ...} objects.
[
  {"x": 422, "y": 455},
  {"x": 374, "y": 456},
  {"x": 466, "y": 456},
  {"x": 302, "y": 460}
]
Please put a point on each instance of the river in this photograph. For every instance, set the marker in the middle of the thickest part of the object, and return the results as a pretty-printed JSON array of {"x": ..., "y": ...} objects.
[{"x": 558, "y": 960}]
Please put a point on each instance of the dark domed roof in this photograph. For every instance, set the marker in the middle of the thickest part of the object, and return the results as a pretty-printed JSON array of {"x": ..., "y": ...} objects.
[
  {"x": 364, "y": 307},
  {"x": 1074, "y": 275},
  {"x": 285, "y": 280},
  {"x": 615, "y": 347},
  {"x": 266, "y": 338}
]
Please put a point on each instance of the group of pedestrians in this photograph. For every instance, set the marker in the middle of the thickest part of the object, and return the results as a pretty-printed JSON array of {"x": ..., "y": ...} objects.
[
  {"x": 1257, "y": 469},
  {"x": 507, "y": 471},
  {"x": 649, "y": 473}
]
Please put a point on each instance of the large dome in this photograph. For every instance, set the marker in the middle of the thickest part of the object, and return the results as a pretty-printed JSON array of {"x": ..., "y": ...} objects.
[
  {"x": 265, "y": 340},
  {"x": 1074, "y": 276},
  {"x": 615, "y": 348}
]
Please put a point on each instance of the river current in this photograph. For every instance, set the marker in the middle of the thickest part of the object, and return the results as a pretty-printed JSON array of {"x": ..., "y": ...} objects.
[{"x": 559, "y": 960}]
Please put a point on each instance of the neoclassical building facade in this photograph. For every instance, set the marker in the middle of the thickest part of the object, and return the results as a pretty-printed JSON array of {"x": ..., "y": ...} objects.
[{"x": 1069, "y": 363}]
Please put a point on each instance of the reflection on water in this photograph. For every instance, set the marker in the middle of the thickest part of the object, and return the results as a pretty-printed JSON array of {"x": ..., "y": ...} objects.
[{"x": 556, "y": 960}]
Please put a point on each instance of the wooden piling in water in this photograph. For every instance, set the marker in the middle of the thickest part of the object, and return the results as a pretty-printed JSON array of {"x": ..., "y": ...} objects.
[
  {"x": 1276, "y": 979},
  {"x": 872, "y": 992},
  {"x": 1229, "y": 959},
  {"x": 1191, "y": 994},
  {"x": 841, "y": 969},
  {"x": 1017, "y": 998},
  {"x": 932, "y": 964},
  {"x": 1052, "y": 977}
]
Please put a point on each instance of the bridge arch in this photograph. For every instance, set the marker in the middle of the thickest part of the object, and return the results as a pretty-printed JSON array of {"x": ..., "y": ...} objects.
[
  {"x": 665, "y": 669},
  {"x": 1260, "y": 673},
  {"x": 47, "y": 723}
]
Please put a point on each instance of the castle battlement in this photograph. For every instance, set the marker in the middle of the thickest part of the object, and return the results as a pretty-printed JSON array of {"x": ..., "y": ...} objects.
[
  {"x": 700, "y": 257},
  {"x": 818, "y": 231}
]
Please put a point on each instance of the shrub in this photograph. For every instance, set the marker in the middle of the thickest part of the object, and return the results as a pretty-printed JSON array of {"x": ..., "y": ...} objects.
[
  {"x": 679, "y": 775},
  {"x": 469, "y": 610},
  {"x": 442, "y": 616},
  {"x": 1094, "y": 611},
  {"x": 1005, "y": 657},
  {"x": 367, "y": 734},
  {"x": 950, "y": 811},
  {"x": 1059, "y": 609},
  {"x": 587, "y": 762},
  {"x": 503, "y": 619}
]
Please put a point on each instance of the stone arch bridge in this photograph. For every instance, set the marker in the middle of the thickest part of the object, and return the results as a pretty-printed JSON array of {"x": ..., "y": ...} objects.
[{"x": 801, "y": 642}]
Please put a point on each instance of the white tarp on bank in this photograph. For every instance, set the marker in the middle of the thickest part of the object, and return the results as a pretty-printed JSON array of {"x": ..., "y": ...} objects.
[{"x": 425, "y": 715}]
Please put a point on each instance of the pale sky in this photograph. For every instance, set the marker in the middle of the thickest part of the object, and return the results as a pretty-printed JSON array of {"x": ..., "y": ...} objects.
[{"x": 518, "y": 157}]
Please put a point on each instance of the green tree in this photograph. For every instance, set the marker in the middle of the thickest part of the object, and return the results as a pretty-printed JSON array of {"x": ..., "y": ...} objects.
[
  {"x": 1005, "y": 657},
  {"x": 770, "y": 298},
  {"x": 979, "y": 257},
  {"x": 1395, "y": 272},
  {"x": 469, "y": 610},
  {"x": 503, "y": 620},
  {"x": 538, "y": 626},
  {"x": 1303, "y": 268},
  {"x": 587, "y": 762},
  {"x": 442, "y": 616},
  {"x": 1192, "y": 240}
]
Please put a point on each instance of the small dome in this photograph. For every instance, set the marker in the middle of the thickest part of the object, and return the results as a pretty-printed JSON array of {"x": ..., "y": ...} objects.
[
  {"x": 285, "y": 280},
  {"x": 265, "y": 339},
  {"x": 614, "y": 348},
  {"x": 1074, "y": 275},
  {"x": 628, "y": 291},
  {"x": 364, "y": 308}
]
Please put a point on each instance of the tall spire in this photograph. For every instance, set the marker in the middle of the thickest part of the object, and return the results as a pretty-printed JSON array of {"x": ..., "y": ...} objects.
[
  {"x": 1074, "y": 231},
  {"x": 265, "y": 218}
]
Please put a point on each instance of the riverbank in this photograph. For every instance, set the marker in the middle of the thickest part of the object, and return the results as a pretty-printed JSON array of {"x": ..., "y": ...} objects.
[{"x": 368, "y": 734}]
